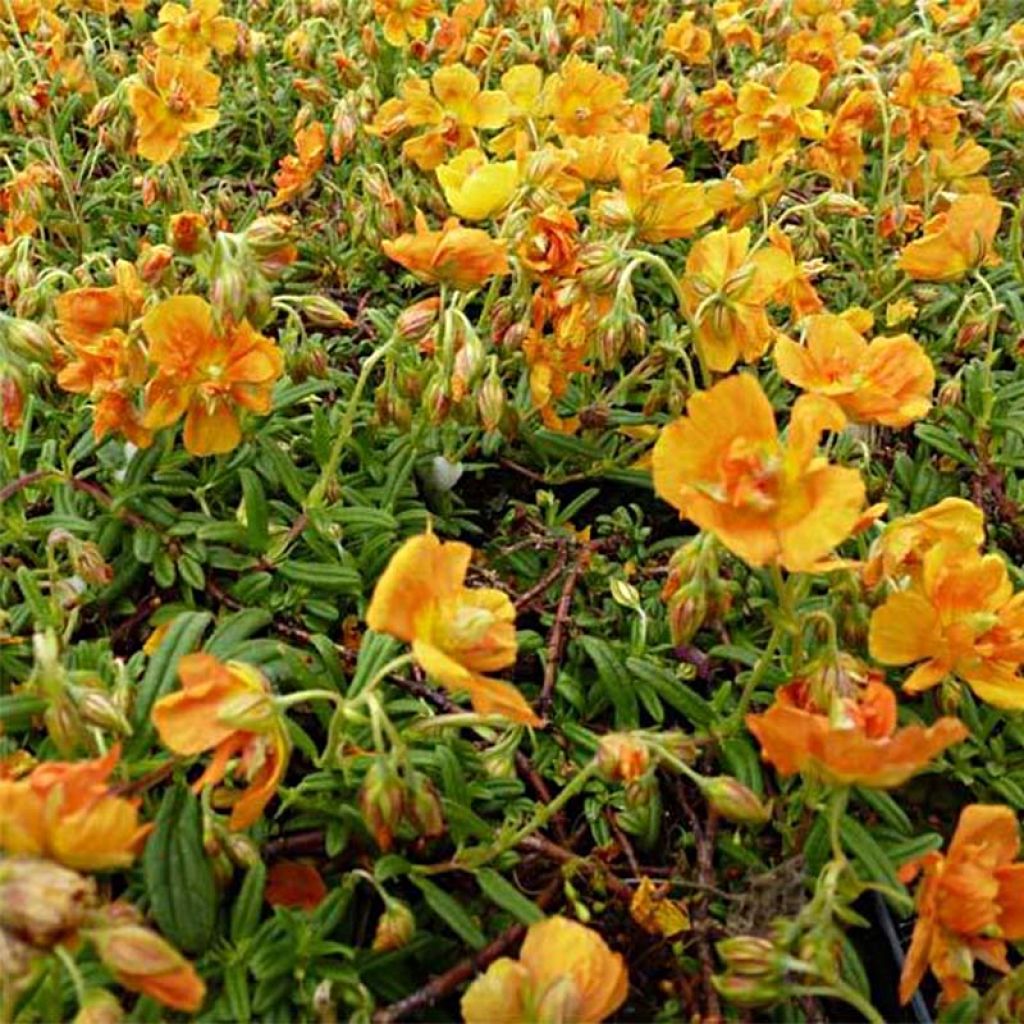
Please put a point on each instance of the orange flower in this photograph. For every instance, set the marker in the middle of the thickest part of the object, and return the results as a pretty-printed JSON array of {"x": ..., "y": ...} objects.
[
  {"x": 205, "y": 374},
  {"x": 748, "y": 189},
  {"x": 462, "y": 258},
  {"x": 195, "y": 31},
  {"x": 144, "y": 962},
  {"x": 550, "y": 242},
  {"x": 960, "y": 617},
  {"x": 229, "y": 709},
  {"x": 456, "y": 633},
  {"x": 65, "y": 811},
  {"x": 901, "y": 548},
  {"x": 951, "y": 170},
  {"x": 954, "y": 242},
  {"x": 724, "y": 467},
  {"x": 732, "y": 25},
  {"x": 583, "y": 100},
  {"x": 293, "y": 884},
  {"x": 778, "y": 120},
  {"x": 86, "y": 314},
  {"x": 826, "y": 47},
  {"x": 656, "y": 200},
  {"x": 886, "y": 380},
  {"x": 181, "y": 102},
  {"x": 565, "y": 972},
  {"x": 970, "y": 902},
  {"x": 689, "y": 42},
  {"x": 794, "y": 289},
  {"x": 297, "y": 172},
  {"x": 404, "y": 20},
  {"x": 726, "y": 291},
  {"x": 715, "y": 114},
  {"x": 851, "y": 738},
  {"x": 840, "y": 154},
  {"x": 923, "y": 93}
]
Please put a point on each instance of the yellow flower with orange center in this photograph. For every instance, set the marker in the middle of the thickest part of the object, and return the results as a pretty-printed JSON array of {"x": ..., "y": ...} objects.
[
  {"x": 922, "y": 94},
  {"x": 181, "y": 101},
  {"x": 405, "y": 20},
  {"x": 959, "y": 617},
  {"x": 886, "y": 380},
  {"x": 456, "y": 633},
  {"x": 726, "y": 291},
  {"x": 851, "y": 740},
  {"x": 475, "y": 187},
  {"x": 229, "y": 709},
  {"x": 67, "y": 812},
  {"x": 463, "y": 258},
  {"x": 956, "y": 241},
  {"x": 724, "y": 468},
  {"x": 900, "y": 549},
  {"x": 688, "y": 41},
  {"x": 195, "y": 31},
  {"x": 565, "y": 972},
  {"x": 583, "y": 100},
  {"x": 779, "y": 120},
  {"x": 205, "y": 374},
  {"x": 970, "y": 902}
]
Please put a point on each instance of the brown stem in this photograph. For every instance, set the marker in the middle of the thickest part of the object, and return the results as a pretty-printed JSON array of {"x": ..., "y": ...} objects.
[
  {"x": 445, "y": 984},
  {"x": 22, "y": 482},
  {"x": 300, "y": 844},
  {"x": 538, "y": 589},
  {"x": 557, "y": 638}
]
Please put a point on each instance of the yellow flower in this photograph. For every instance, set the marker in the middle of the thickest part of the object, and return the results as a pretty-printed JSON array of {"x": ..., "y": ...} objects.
[
  {"x": 689, "y": 42},
  {"x": 779, "y": 120},
  {"x": 565, "y": 973},
  {"x": 194, "y": 31},
  {"x": 404, "y": 20},
  {"x": 583, "y": 100},
  {"x": 954, "y": 242},
  {"x": 474, "y": 187},
  {"x": 181, "y": 102},
  {"x": 456, "y": 633},
  {"x": 723, "y": 466}
]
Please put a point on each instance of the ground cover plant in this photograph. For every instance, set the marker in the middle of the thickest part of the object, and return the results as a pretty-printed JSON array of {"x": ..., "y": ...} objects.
[{"x": 510, "y": 510}]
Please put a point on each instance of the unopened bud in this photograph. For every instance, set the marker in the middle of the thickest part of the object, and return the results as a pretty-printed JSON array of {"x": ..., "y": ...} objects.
[
  {"x": 747, "y": 992},
  {"x": 99, "y": 1007},
  {"x": 322, "y": 311},
  {"x": 623, "y": 757},
  {"x": 266, "y": 235},
  {"x": 42, "y": 901},
  {"x": 395, "y": 928},
  {"x": 382, "y": 801},
  {"x": 153, "y": 262},
  {"x": 16, "y": 962},
  {"x": 188, "y": 232},
  {"x": 734, "y": 801},
  {"x": 98, "y": 709},
  {"x": 490, "y": 398},
  {"x": 423, "y": 809},
  {"x": 749, "y": 955}
]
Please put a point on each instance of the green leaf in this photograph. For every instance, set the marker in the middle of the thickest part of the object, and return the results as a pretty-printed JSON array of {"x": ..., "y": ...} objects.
[
  {"x": 615, "y": 681},
  {"x": 245, "y": 914},
  {"x": 451, "y": 912},
  {"x": 178, "y": 873},
  {"x": 876, "y": 863},
  {"x": 229, "y": 638},
  {"x": 505, "y": 895},
  {"x": 161, "y": 676},
  {"x": 254, "y": 501}
]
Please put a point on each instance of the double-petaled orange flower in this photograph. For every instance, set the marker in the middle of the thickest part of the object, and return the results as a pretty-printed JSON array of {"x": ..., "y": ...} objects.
[
  {"x": 181, "y": 101},
  {"x": 296, "y": 173},
  {"x": 550, "y": 242},
  {"x": 456, "y": 633},
  {"x": 970, "y": 902},
  {"x": 583, "y": 100},
  {"x": 725, "y": 468},
  {"x": 846, "y": 734},
  {"x": 923, "y": 93},
  {"x": 565, "y": 972},
  {"x": 900, "y": 549},
  {"x": 66, "y": 811},
  {"x": 688, "y": 41},
  {"x": 956, "y": 241},
  {"x": 206, "y": 374},
  {"x": 195, "y": 31},
  {"x": 958, "y": 617},
  {"x": 404, "y": 20},
  {"x": 726, "y": 291},
  {"x": 462, "y": 258},
  {"x": 779, "y": 120},
  {"x": 886, "y": 380},
  {"x": 229, "y": 709}
]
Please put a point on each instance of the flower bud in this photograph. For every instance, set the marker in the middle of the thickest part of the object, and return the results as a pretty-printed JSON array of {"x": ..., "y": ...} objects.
[
  {"x": 266, "y": 235},
  {"x": 749, "y": 955},
  {"x": 382, "y": 800},
  {"x": 27, "y": 339},
  {"x": 623, "y": 757},
  {"x": 99, "y": 1007},
  {"x": 98, "y": 709},
  {"x": 747, "y": 992},
  {"x": 189, "y": 233},
  {"x": 16, "y": 960},
  {"x": 153, "y": 262},
  {"x": 42, "y": 901},
  {"x": 322, "y": 311},
  {"x": 395, "y": 928},
  {"x": 423, "y": 810},
  {"x": 734, "y": 801},
  {"x": 490, "y": 398}
]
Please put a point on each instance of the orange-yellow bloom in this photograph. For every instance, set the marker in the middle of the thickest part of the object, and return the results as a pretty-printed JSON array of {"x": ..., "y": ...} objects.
[
  {"x": 960, "y": 617},
  {"x": 404, "y": 20},
  {"x": 194, "y": 31},
  {"x": 583, "y": 100},
  {"x": 901, "y": 548},
  {"x": 922, "y": 94},
  {"x": 456, "y": 633},
  {"x": 475, "y": 187},
  {"x": 463, "y": 258},
  {"x": 956, "y": 241},
  {"x": 550, "y": 242},
  {"x": 205, "y": 374},
  {"x": 724, "y": 467},
  {"x": 181, "y": 102},
  {"x": 65, "y": 811},
  {"x": 886, "y": 380},
  {"x": 849, "y": 740},
  {"x": 227, "y": 708},
  {"x": 296, "y": 172},
  {"x": 726, "y": 291},
  {"x": 689, "y": 42},
  {"x": 565, "y": 972},
  {"x": 778, "y": 120},
  {"x": 970, "y": 902}
]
